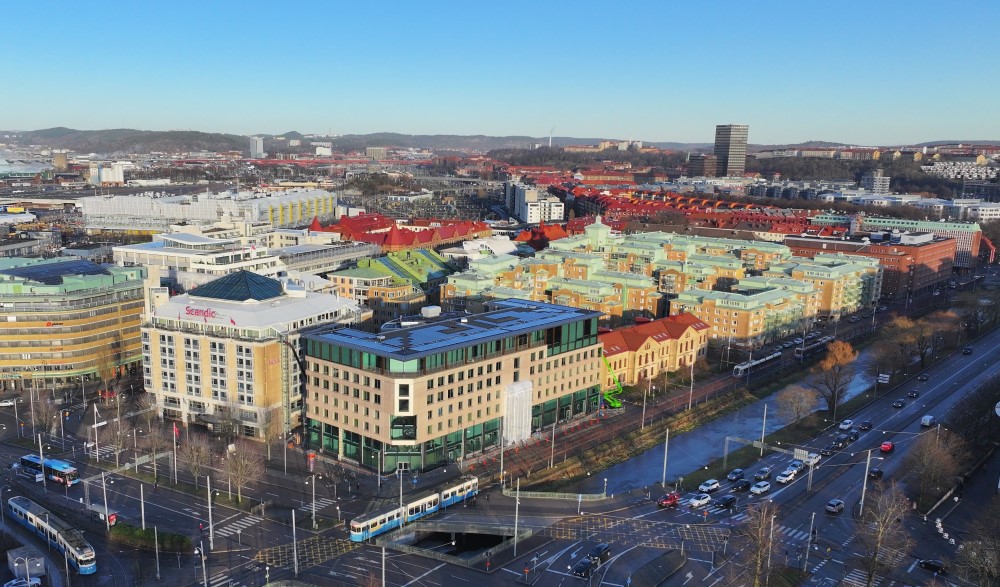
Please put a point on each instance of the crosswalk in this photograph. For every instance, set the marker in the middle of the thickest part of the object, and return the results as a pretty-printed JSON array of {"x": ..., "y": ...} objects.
[
  {"x": 790, "y": 532},
  {"x": 235, "y": 527},
  {"x": 858, "y": 578},
  {"x": 320, "y": 504},
  {"x": 223, "y": 580}
]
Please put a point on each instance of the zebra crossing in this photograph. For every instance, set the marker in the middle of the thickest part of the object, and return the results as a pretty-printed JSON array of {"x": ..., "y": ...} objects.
[
  {"x": 858, "y": 578},
  {"x": 790, "y": 532},
  {"x": 320, "y": 504},
  {"x": 223, "y": 580},
  {"x": 232, "y": 529}
]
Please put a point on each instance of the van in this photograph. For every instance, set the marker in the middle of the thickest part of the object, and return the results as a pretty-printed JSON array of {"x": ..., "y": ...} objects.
[{"x": 928, "y": 421}]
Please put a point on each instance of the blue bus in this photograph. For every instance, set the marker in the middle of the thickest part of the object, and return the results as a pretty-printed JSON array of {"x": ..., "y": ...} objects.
[
  {"x": 55, "y": 470},
  {"x": 58, "y": 533}
]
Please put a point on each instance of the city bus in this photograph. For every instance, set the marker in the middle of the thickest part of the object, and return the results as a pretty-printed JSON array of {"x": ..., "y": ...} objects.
[{"x": 55, "y": 470}]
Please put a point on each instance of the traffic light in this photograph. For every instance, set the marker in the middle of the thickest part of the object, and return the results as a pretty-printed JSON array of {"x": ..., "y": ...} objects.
[{"x": 66, "y": 414}]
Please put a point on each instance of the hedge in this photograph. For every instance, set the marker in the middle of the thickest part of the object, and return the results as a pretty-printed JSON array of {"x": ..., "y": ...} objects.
[{"x": 138, "y": 538}]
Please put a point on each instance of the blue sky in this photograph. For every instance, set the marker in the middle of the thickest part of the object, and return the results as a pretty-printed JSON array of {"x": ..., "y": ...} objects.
[{"x": 883, "y": 72}]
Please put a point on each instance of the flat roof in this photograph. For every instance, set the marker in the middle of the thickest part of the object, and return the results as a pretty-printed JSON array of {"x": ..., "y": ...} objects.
[{"x": 511, "y": 317}]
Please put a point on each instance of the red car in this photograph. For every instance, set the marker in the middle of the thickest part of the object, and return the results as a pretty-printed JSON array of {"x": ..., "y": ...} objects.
[
  {"x": 887, "y": 446},
  {"x": 669, "y": 500}
]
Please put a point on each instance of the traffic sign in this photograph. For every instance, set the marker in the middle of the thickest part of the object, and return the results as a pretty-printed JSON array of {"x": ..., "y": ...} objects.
[{"x": 801, "y": 454}]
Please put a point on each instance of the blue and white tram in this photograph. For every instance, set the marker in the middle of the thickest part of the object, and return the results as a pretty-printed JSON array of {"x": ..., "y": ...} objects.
[
  {"x": 57, "y": 532},
  {"x": 417, "y": 506}
]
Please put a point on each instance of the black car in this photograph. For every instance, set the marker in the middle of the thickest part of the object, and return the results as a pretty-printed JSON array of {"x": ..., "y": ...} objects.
[
  {"x": 933, "y": 565},
  {"x": 913, "y": 393},
  {"x": 735, "y": 475},
  {"x": 899, "y": 403},
  {"x": 725, "y": 502},
  {"x": 876, "y": 473},
  {"x": 967, "y": 350},
  {"x": 841, "y": 441},
  {"x": 600, "y": 553},
  {"x": 828, "y": 449},
  {"x": 854, "y": 434},
  {"x": 741, "y": 485},
  {"x": 866, "y": 425},
  {"x": 922, "y": 377},
  {"x": 585, "y": 568}
]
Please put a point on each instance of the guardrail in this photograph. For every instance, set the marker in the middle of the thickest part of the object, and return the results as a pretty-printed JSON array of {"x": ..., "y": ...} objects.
[{"x": 510, "y": 492}]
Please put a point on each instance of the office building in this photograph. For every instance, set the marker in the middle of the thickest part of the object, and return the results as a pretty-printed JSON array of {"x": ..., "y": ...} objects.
[
  {"x": 375, "y": 153},
  {"x": 702, "y": 166},
  {"x": 440, "y": 391},
  {"x": 66, "y": 321},
  {"x": 257, "y": 148},
  {"x": 876, "y": 182},
  {"x": 731, "y": 148},
  {"x": 225, "y": 355}
]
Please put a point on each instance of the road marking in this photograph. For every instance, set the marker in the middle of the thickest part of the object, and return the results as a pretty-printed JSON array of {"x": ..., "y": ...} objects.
[
  {"x": 415, "y": 579},
  {"x": 689, "y": 577}
]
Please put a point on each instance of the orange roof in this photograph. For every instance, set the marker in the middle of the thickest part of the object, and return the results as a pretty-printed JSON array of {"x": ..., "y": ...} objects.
[{"x": 631, "y": 338}]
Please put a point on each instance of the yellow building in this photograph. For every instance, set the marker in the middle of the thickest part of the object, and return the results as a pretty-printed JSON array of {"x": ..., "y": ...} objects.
[
  {"x": 644, "y": 351},
  {"x": 67, "y": 321}
]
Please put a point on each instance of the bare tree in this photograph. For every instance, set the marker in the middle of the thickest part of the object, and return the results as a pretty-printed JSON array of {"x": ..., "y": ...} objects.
[
  {"x": 44, "y": 415},
  {"x": 196, "y": 454},
  {"x": 796, "y": 401},
  {"x": 272, "y": 427},
  {"x": 156, "y": 441},
  {"x": 886, "y": 358},
  {"x": 881, "y": 533},
  {"x": 935, "y": 459},
  {"x": 979, "y": 558},
  {"x": 108, "y": 359},
  {"x": 757, "y": 533},
  {"x": 228, "y": 421},
  {"x": 834, "y": 373},
  {"x": 116, "y": 438},
  {"x": 145, "y": 405},
  {"x": 243, "y": 466},
  {"x": 973, "y": 416}
]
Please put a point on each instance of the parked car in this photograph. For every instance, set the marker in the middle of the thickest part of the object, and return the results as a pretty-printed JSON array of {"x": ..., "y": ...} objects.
[
  {"x": 709, "y": 486},
  {"x": 933, "y": 565},
  {"x": 922, "y": 377},
  {"x": 760, "y": 488},
  {"x": 762, "y": 474},
  {"x": 899, "y": 403},
  {"x": 788, "y": 344},
  {"x": 866, "y": 425},
  {"x": 913, "y": 393},
  {"x": 585, "y": 568},
  {"x": 669, "y": 500},
  {"x": 725, "y": 502},
  {"x": 735, "y": 475},
  {"x": 786, "y": 476},
  {"x": 846, "y": 424},
  {"x": 700, "y": 500},
  {"x": 798, "y": 341},
  {"x": 828, "y": 449},
  {"x": 6, "y": 403},
  {"x": 600, "y": 553},
  {"x": 834, "y": 506},
  {"x": 741, "y": 485},
  {"x": 887, "y": 446}
]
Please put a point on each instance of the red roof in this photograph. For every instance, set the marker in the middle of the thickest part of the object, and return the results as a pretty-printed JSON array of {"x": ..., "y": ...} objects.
[{"x": 631, "y": 338}]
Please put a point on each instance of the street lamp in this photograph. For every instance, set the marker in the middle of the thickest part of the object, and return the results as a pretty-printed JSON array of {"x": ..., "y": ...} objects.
[
  {"x": 864, "y": 483},
  {"x": 3, "y": 521},
  {"x": 27, "y": 567},
  {"x": 313, "y": 478},
  {"x": 267, "y": 575},
  {"x": 649, "y": 387}
]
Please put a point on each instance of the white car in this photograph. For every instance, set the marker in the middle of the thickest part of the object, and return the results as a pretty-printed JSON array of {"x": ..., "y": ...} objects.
[
  {"x": 700, "y": 500},
  {"x": 709, "y": 486},
  {"x": 846, "y": 424},
  {"x": 6, "y": 403},
  {"x": 760, "y": 488},
  {"x": 812, "y": 459},
  {"x": 785, "y": 477}
]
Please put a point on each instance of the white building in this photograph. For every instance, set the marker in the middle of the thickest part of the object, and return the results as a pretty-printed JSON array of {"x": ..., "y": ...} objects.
[
  {"x": 876, "y": 182},
  {"x": 107, "y": 174},
  {"x": 257, "y": 148},
  {"x": 531, "y": 205},
  {"x": 324, "y": 151},
  {"x": 153, "y": 212}
]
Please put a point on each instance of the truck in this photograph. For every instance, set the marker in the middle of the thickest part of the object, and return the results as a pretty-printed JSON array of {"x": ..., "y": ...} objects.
[{"x": 25, "y": 562}]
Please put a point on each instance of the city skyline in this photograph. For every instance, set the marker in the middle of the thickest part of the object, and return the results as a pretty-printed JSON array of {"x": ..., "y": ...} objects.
[{"x": 793, "y": 72}]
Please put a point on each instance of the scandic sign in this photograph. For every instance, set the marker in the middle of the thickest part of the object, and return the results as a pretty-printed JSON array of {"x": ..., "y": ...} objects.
[{"x": 201, "y": 312}]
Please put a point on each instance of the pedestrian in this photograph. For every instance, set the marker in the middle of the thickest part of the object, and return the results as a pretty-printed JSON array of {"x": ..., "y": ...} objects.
[
  {"x": 487, "y": 497},
  {"x": 358, "y": 486}
]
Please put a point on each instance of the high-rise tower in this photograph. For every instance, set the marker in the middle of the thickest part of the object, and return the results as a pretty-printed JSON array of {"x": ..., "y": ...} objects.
[{"x": 731, "y": 148}]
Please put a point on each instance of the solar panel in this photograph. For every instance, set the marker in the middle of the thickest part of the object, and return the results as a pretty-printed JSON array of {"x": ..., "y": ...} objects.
[{"x": 53, "y": 273}]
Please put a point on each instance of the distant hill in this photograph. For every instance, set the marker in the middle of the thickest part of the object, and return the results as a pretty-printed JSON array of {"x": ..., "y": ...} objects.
[{"x": 127, "y": 140}]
